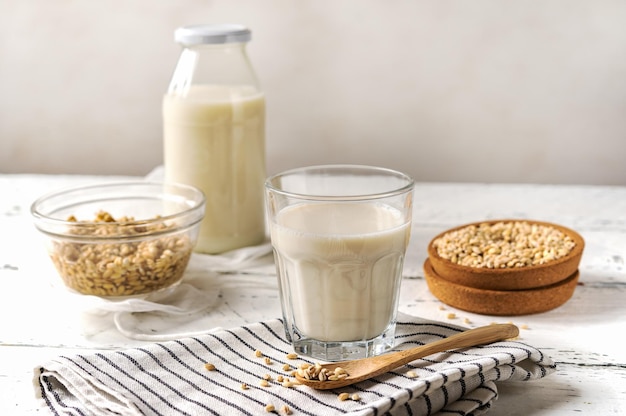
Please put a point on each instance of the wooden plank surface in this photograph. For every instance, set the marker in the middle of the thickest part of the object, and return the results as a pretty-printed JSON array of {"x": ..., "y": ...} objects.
[{"x": 41, "y": 320}]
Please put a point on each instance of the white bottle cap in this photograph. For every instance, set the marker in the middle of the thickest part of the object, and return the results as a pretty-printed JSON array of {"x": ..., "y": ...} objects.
[{"x": 212, "y": 34}]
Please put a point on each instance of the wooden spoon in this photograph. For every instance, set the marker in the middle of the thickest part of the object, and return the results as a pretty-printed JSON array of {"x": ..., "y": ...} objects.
[{"x": 366, "y": 368}]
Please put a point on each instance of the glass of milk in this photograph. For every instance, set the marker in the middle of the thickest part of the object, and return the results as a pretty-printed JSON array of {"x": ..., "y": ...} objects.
[{"x": 339, "y": 234}]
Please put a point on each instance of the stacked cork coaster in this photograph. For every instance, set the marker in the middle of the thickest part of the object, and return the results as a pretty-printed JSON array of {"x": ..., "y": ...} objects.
[{"x": 504, "y": 267}]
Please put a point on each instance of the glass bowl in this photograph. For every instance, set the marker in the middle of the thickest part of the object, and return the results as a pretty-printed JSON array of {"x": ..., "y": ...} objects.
[{"x": 120, "y": 239}]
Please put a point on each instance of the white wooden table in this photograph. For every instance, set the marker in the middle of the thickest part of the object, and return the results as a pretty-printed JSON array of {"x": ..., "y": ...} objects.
[{"x": 584, "y": 336}]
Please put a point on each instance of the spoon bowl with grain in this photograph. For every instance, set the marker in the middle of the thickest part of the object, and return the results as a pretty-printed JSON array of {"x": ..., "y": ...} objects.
[{"x": 344, "y": 373}]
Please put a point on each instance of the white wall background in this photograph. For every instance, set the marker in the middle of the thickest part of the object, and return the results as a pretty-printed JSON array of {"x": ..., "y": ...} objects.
[{"x": 446, "y": 90}]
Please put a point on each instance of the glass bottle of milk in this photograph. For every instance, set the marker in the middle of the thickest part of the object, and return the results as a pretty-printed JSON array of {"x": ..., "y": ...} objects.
[{"x": 214, "y": 134}]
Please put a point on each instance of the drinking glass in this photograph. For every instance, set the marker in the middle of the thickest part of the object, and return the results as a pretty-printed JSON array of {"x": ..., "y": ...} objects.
[{"x": 339, "y": 235}]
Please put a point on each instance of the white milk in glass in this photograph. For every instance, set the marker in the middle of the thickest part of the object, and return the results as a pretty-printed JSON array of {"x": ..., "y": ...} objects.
[
  {"x": 214, "y": 139},
  {"x": 340, "y": 266}
]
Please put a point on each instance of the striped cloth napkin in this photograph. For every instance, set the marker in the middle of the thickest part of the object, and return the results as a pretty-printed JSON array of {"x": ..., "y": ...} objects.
[{"x": 172, "y": 378}]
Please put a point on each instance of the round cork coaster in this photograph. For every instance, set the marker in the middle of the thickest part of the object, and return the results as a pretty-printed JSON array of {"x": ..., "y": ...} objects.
[{"x": 500, "y": 302}]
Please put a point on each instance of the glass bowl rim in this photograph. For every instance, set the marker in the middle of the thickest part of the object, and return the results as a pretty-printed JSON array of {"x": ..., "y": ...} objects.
[{"x": 47, "y": 224}]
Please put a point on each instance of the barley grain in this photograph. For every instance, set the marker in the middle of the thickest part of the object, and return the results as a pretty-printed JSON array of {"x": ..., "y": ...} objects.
[
  {"x": 504, "y": 245},
  {"x": 343, "y": 396},
  {"x": 109, "y": 268}
]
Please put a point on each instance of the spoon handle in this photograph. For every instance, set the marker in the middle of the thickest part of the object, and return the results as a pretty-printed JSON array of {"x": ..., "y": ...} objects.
[{"x": 470, "y": 338}]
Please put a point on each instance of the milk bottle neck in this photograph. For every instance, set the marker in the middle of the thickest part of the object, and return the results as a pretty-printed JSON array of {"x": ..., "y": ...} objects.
[{"x": 213, "y": 64}]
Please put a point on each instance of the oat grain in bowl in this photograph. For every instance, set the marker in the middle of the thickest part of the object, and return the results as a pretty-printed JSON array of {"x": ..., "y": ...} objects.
[
  {"x": 112, "y": 269},
  {"x": 121, "y": 239},
  {"x": 506, "y": 254},
  {"x": 504, "y": 244}
]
